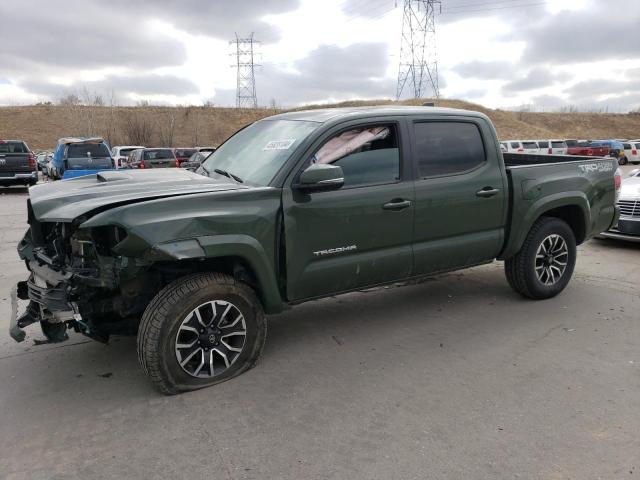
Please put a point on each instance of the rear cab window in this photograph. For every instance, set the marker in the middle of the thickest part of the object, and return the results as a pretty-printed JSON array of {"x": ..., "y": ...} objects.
[
  {"x": 13, "y": 147},
  {"x": 529, "y": 145},
  {"x": 558, "y": 145},
  {"x": 543, "y": 144},
  {"x": 447, "y": 148},
  {"x": 515, "y": 144}
]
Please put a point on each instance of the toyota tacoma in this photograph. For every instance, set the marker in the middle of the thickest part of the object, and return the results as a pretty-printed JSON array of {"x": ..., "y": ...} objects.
[{"x": 296, "y": 207}]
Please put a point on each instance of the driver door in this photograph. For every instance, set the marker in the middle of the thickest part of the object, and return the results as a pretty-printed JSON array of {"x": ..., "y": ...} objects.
[{"x": 360, "y": 234}]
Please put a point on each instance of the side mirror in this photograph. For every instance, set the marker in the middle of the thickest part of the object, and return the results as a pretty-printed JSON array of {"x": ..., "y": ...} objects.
[{"x": 320, "y": 177}]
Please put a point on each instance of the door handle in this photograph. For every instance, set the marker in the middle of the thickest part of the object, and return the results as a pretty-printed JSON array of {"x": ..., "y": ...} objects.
[
  {"x": 396, "y": 204},
  {"x": 487, "y": 192}
]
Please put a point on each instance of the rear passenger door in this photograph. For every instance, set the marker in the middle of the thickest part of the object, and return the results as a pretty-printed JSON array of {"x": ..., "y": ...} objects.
[{"x": 461, "y": 194}]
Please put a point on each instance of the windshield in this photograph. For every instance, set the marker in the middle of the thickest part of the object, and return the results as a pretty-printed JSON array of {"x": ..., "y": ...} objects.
[
  {"x": 80, "y": 150},
  {"x": 256, "y": 153}
]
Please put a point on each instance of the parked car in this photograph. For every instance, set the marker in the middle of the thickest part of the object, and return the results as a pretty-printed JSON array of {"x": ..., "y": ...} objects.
[
  {"x": 518, "y": 146},
  {"x": 552, "y": 147},
  {"x": 152, "y": 158},
  {"x": 195, "y": 160},
  {"x": 183, "y": 154},
  {"x": 206, "y": 149},
  {"x": 284, "y": 212},
  {"x": 17, "y": 164},
  {"x": 78, "y": 156},
  {"x": 616, "y": 149},
  {"x": 586, "y": 148},
  {"x": 628, "y": 226},
  {"x": 42, "y": 159},
  {"x": 521, "y": 146},
  {"x": 120, "y": 154},
  {"x": 631, "y": 152}
]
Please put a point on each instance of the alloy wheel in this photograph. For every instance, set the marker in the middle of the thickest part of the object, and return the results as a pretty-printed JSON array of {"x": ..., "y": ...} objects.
[
  {"x": 551, "y": 259},
  {"x": 210, "y": 339}
]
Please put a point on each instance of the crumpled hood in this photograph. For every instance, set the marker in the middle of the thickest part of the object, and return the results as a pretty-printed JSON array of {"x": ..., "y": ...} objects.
[{"x": 65, "y": 200}]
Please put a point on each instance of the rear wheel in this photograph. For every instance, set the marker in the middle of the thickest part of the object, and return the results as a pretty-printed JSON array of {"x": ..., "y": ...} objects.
[
  {"x": 544, "y": 265},
  {"x": 200, "y": 330},
  {"x": 623, "y": 161}
]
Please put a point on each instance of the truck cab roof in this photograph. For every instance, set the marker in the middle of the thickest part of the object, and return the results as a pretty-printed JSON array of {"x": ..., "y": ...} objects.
[{"x": 326, "y": 115}]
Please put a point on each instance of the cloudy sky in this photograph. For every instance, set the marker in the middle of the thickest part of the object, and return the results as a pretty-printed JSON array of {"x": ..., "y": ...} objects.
[{"x": 500, "y": 53}]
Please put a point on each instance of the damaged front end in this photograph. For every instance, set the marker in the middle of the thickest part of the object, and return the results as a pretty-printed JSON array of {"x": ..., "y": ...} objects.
[{"x": 78, "y": 281}]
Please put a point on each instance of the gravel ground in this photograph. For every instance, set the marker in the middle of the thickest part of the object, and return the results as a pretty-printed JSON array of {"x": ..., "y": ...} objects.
[{"x": 454, "y": 377}]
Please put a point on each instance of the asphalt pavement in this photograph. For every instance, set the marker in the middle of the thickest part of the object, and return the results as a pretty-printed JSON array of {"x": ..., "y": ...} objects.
[{"x": 456, "y": 377}]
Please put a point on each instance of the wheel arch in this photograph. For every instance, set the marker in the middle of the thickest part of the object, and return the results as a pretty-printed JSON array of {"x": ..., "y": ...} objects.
[
  {"x": 240, "y": 256},
  {"x": 571, "y": 207}
]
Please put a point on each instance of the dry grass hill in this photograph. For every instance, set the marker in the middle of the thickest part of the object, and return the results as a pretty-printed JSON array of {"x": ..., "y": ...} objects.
[{"x": 41, "y": 126}]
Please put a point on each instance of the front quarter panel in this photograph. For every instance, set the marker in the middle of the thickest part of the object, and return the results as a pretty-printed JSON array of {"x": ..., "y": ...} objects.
[{"x": 239, "y": 223}]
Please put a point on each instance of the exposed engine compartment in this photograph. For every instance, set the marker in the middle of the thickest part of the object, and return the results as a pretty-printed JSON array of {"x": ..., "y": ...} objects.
[{"x": 77, "y": 281}]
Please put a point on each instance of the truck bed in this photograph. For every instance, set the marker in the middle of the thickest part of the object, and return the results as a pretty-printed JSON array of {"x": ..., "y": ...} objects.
[{"x": 540, "y": 181}]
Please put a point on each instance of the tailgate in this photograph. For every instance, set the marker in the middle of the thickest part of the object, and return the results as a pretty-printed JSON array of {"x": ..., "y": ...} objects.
[
  {"x": 161, "y": 163},
  {"x": 14, "y": 163}
]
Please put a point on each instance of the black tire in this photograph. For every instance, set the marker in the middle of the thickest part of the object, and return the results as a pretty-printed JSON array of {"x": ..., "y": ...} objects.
[
  {"x": 164, "y": 318},
  {"x": 623, "y": 161},
  {"x": 521, "y": 271}
]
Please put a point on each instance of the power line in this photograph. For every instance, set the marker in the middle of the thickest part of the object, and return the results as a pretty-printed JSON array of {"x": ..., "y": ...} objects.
[
  {"x": 246, "y": 79},
  {"x": 418, "y": 64}
]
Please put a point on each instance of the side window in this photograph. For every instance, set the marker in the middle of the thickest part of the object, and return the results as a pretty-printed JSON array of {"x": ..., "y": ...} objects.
[
  {"x": 368, "y": 155},
  {"x": 515, "y": 144},
  {"x": 543, "y": 144},
  {"x": 447, "y": 148}
]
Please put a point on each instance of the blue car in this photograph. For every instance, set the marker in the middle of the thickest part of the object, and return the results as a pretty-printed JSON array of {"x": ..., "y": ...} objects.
[
  {"x": 77, "y": 156},
  {"x": 616, "y": 149}
]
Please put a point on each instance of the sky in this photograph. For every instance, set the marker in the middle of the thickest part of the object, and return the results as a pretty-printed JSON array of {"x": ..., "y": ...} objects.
[{"x": 547, "y": 55}]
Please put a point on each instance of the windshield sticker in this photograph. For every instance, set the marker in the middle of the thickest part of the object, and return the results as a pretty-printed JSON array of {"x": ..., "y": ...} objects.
[{"x": 279, "y": 144}]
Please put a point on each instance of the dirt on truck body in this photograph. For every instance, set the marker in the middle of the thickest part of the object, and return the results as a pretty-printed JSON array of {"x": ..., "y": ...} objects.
[{"x": 295, "y": 207}]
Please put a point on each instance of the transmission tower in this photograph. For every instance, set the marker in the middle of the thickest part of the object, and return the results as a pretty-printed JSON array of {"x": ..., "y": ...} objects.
[
  {"x": 246, "y": 86},
  {"x": 418, "y": 69}
]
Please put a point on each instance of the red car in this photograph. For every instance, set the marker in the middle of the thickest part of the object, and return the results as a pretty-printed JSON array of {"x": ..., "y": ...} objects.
[
  {"x": 183, "y": 154},
  {"x": 587, "y": 149}
]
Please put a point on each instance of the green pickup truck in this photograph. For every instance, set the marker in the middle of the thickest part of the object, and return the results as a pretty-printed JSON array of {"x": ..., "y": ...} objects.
[{"x": 292, "y": 208}]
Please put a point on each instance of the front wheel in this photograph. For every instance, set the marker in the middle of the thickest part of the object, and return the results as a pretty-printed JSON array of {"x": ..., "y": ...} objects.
[
  {"x": 200, "y": 330},
  {"x": 544, "y": 265}
]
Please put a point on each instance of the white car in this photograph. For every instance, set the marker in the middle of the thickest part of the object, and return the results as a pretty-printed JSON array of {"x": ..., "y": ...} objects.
[
  {"x": 552, "y": 147},
  {"x": 628, "y": 227},
  {"x": 521, "y": 146},
  {"x": 631, "y": 150},
  {"x": 120, "y": 153}
]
